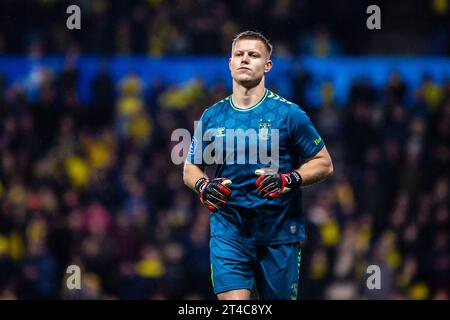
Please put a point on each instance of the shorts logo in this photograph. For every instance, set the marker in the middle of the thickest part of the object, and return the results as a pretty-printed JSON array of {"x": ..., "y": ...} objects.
[
  {"x": 193, "y": 145},
  {"x": 294, "y": 291},
  {"x": 264, "y": 129}
]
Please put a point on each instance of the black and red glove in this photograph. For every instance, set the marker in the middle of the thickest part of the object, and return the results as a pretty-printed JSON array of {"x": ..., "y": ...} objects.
[
  {"x": 272, "y": 185},
  {"x": 213, "y": 193}
]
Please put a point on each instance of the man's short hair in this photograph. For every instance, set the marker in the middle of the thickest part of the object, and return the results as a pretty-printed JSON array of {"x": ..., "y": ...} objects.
[{"x": 253, "y": 35}]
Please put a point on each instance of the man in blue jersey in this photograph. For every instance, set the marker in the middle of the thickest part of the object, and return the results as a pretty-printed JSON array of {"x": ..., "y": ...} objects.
[{"x": 255, "y": 204}]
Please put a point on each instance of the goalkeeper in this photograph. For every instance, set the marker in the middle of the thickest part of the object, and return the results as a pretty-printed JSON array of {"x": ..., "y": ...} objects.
[{"x": 256, "y": 213}]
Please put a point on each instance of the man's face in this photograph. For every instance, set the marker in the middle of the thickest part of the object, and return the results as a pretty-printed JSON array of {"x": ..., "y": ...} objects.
[{"x": 248, "y": 62}]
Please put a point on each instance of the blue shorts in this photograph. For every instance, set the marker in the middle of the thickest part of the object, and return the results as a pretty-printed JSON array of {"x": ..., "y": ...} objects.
[{"x": 272, "y": 269}]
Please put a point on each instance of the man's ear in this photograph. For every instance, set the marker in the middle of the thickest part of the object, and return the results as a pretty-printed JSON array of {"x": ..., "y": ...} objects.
[{"x": 268, "y": 66}]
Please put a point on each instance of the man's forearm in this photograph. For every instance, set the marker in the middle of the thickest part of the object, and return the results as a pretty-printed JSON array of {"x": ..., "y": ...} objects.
[
  {"x": 191, "y": 174},
  {"x": 315, "y": 171}
]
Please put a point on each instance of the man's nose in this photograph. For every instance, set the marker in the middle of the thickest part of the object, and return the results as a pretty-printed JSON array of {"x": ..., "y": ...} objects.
[{"x": 245, "y": 58}]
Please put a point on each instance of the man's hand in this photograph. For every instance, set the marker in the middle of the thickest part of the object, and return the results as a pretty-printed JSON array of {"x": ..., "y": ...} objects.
[
  {"x": 271, "y": 186},
  {"x": 213, "y": 193}
]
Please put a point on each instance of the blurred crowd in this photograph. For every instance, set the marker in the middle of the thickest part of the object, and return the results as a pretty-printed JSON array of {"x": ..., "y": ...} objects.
[
  {"x": 388, "y": 202},
  {"x": 174, "y": 27},
  {"x": 93, "y": 185}
]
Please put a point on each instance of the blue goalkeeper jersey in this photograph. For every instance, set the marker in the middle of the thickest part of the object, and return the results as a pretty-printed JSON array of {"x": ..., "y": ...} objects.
[{"x": 274, "y": 133}]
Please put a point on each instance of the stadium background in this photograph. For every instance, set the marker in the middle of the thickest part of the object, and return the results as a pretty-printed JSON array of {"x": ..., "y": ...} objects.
[{"x": 86, "y": 118}]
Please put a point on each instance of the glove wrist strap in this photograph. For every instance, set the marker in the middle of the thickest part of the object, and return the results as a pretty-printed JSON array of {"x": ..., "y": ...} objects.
[
  {"x": 296, "y": 178},
  {"x": 199, "y": 184}
]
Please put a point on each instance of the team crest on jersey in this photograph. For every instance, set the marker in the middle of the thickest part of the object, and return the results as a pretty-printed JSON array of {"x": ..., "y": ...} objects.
[{"x": 264, "y": 129}]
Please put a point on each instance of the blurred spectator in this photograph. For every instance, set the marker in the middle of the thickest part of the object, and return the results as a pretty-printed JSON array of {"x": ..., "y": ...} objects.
[
  {"x": 101, "y": 111},
  {"x": 319, "y": 43},
  {"x": 396, "y": 89}
]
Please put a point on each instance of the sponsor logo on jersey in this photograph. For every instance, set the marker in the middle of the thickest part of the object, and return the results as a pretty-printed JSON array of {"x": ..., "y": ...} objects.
[
  {"x": 220, "y": 132},
  {"x": 317, "y": 141}
]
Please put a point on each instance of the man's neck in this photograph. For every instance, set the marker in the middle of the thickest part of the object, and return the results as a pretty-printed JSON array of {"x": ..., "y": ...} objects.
[{"x": 245, "y": 98}]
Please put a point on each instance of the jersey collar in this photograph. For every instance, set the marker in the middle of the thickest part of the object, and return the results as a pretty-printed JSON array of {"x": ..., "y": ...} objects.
[{"x": 252, "y": 107}]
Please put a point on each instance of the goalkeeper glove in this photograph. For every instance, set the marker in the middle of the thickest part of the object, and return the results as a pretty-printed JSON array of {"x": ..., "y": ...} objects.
[
  {"x": 271, "y": 186},
  {"x": 213, "y": 193}
]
